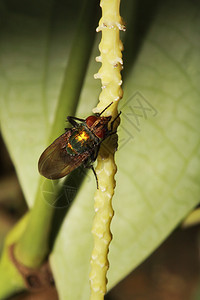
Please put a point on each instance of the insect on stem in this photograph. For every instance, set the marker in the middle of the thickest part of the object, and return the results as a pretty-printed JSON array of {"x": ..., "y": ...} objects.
[{"x": 78, "y": 146}]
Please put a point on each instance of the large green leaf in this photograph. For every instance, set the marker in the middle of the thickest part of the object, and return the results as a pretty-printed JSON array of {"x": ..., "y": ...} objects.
[
  {"x": 35, "y": 44},
  {"x": 158, "y": 157}
]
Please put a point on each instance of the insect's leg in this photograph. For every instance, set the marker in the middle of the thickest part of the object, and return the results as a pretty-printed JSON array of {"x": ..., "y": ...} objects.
[
  {"x": 66, "y": 129},
  {"x": 73, "y": 122},
  {"x": 94, "y": 155},
  {"x": 93, "y": 170},
  {"x": 111, "y": 133},
  {"x": 95, "y": 175},
  {"x": 112, "y": 123},
  {"x": 87, "y": 163}
]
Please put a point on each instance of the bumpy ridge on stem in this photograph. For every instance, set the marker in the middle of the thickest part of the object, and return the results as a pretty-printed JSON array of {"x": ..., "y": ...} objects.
[{"x": 111, "y": 58}]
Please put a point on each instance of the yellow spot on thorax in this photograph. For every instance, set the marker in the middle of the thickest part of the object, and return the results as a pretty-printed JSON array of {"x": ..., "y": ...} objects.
[{"x": 83, "y": 136}]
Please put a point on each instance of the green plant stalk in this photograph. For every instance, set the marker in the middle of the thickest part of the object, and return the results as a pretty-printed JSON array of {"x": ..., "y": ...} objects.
[
  {"x": 11, "y": 281},
  {"x": 33, "y": 246}
]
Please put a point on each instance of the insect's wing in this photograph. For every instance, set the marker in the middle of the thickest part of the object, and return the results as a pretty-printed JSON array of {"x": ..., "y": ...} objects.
[{"x": 55, "y": 162}]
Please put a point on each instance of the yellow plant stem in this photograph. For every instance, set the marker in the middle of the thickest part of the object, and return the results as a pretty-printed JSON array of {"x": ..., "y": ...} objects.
[{"x": 111, "y": 58}]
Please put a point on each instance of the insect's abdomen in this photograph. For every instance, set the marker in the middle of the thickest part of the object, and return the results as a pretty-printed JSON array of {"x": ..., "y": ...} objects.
[{"x": 80, "y": 141}]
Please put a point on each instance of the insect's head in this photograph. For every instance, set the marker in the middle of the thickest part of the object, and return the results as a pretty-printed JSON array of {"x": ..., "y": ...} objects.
[
  {"x": 90, "y": 121},
  {"x": 99, "y": 124}
]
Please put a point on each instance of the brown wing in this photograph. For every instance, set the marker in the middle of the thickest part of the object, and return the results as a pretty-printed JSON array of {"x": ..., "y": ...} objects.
[{"x": 55, "y": 162}]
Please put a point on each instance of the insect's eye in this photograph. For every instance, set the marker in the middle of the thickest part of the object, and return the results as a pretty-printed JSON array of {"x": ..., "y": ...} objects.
[
  {"x": 101, "y": 133},
  {"x": 90, "y": 120}
]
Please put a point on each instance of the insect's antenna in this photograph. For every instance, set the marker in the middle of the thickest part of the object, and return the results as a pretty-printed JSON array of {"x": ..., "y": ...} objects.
[
  {"x": 117, "y": 117},
  {"x": 112, "y": 123},
  {"x": 105, "y": 108}
]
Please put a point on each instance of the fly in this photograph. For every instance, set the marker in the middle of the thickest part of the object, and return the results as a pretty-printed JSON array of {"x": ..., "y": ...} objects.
[{"x": 78, "y": 146}]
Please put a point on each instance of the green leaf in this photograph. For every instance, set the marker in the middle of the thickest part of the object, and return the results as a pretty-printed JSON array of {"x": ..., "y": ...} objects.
[
  {"x": 35, "y": 46},
  {"x": 159, "y": 145}
]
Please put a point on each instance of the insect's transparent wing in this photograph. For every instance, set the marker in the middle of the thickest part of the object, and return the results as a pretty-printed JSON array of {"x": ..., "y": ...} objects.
[{"x": 55, "y": 162}]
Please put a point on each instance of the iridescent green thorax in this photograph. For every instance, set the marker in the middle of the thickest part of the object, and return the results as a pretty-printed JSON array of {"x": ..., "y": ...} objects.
[{"x": 81, "y": 140}]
